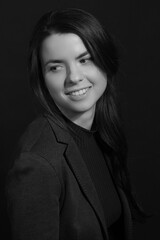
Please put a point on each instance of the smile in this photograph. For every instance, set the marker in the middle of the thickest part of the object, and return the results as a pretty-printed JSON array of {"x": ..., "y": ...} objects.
[{"x": 79, "y": 92}]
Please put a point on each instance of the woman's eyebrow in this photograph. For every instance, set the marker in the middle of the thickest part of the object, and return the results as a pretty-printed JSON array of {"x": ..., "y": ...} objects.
[
  {"x": 53, "y": 61},
  {"x": 82, "y": 55}
]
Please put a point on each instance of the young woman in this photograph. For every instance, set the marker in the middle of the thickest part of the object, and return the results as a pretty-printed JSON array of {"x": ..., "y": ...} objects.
[{"x": 70, "y": 179}]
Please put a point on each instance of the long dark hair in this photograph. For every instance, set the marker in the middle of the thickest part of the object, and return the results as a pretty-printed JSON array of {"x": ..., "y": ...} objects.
[{"x": 104, "y": 53}]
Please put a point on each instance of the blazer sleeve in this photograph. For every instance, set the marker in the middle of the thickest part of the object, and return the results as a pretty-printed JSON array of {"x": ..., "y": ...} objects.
[{"x": 33, "y": 192}]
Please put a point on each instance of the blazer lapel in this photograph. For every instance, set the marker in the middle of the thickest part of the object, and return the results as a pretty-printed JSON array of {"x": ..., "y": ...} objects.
[{"x": 81, "y": 173}]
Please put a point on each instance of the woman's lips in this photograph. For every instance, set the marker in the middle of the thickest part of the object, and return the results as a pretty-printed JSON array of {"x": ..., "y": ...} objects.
[{"x": 78, "y": 92}]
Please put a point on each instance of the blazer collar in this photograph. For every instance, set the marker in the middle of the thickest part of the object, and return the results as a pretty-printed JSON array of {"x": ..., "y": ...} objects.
[{"x": 80, "y": 171}]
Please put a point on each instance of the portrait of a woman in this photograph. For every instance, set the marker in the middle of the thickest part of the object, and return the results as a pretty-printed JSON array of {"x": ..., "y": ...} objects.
[{"x": 69, "y": 179}]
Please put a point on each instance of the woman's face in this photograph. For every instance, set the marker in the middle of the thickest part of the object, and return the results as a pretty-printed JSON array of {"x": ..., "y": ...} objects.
[{"x": 73, "y": 80}]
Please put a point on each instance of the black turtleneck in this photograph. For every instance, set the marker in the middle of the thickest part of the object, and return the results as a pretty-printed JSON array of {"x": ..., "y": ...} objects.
[{"x": 96, "y": 163}]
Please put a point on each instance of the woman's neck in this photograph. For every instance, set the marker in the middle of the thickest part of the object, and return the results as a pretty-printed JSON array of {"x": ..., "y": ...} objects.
[{"x": 84, "y": 119}]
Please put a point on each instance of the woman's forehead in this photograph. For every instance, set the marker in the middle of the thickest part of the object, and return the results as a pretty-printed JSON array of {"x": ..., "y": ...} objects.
[{"x": 61, "y": 46}]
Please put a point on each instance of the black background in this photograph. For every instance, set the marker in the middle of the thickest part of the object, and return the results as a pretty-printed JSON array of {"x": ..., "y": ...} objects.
[{"x": 136, "y": 26}]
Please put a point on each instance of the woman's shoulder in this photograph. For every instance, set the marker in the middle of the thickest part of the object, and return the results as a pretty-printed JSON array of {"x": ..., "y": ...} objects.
[
  {"x": 36, "y": 130},
  {"x": 39, "y": 137},
  {"x": 39, "y": 148},
  {"x": 35, "y": 159}
]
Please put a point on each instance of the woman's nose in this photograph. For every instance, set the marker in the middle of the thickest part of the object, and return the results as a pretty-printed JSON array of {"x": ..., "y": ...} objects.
[{"x": 74, "y": 75}]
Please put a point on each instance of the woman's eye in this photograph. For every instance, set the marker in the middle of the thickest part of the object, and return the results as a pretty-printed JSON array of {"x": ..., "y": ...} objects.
[
  {"x": 55, "y": 68},
  {"x": 85, "y": 60}
]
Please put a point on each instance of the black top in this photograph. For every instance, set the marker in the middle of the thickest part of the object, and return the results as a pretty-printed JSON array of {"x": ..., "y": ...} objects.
[{"x": 100, "y": 175}]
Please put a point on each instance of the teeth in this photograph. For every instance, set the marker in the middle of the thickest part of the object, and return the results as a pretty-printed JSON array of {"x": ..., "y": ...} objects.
[{"x": 80, "y": 92}]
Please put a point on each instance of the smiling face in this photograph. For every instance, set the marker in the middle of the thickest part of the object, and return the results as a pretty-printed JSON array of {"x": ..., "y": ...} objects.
[{"x": 74, "y": 82}]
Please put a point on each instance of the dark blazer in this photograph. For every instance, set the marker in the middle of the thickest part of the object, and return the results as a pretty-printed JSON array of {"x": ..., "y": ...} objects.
[{"x": 49, "y": 190}]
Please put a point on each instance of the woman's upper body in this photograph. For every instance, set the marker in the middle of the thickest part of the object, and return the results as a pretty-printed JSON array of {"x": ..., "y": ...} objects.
[
  {"x": 50, "y": 192},
  {"x": 53, "y": 191}
]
